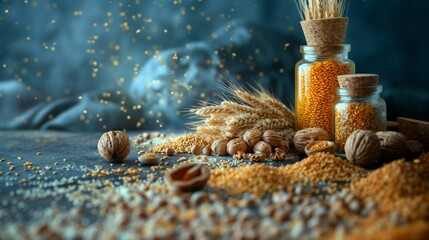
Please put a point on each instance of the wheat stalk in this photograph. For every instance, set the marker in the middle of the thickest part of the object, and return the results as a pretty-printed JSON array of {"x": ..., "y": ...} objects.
[
  {"x": 277, "y": 106},
  {"x": 268, "y": 124},
  {"x": 321, "y": 9},
  {"x": 239, "y": 108},
  {"x": 248, "y": 98},
  {"x": 209, "y": 110},
  {"x": 215, "y": 121},
  {"x": 242, "y": 121},
  {"x": 209, "y": 130},
  {"x": 244, "y": 110}
]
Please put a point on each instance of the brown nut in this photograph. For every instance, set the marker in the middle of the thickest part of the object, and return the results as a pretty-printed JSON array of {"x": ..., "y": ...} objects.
[
  {"x": 271, "y": 137},
  {"x": 207, "y": 150},
  {"x": 362, "y": 148},
  {"x": 305, "y": 136},
  {"x": 114, "y": 146},
  {"x": 188, "y": 177},
  {"x": 278, "y": 154},
  {"x": 252, "y": 136},
  {"x": 170, "y": 151},
  {"x": 196, "y": 149},
  {"x": 219, "y": 147},
  {"x": 235, "y": 145},
  {"x": 262, "y": 147},
  {"x": 393, "y": 145},
  {"x": 283, "y": 145},
  {"x": 257, "y": 156}
]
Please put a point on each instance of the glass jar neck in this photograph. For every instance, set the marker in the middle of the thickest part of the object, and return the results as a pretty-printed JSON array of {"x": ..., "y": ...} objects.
[
  {"x": 360, "y": 94},
  {"x": 325, "y": 52}
]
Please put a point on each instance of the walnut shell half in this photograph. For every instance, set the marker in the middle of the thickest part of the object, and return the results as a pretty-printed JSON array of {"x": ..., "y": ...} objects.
[
  {"x": 362, "y": 148},
  {"x": 305, "y": 136},
  {"x": 393, "y": 145},
  {"x": 114, "y": 146},
  {"x": 188, "y": 177}
]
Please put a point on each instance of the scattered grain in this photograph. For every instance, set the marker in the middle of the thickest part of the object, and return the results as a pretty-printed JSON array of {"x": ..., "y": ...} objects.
[{"x": 182, "y": 144}]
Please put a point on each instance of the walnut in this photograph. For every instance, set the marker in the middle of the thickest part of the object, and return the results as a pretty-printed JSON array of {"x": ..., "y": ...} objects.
[
  {"x": 362, "y": 148},
  {"x": 219, "y": 147},
  {"x": 271, "y": 137},
  {"x": 236, "y": 145},
  {"x": 262, "y": 147},
  {"x": 114, "y": 146},
  {"x": 393, "y": 145},
  {"x": 188, "y": 177},
  {"x": 283, "y": 145},
  {"x": 305, "y": 136},
  {"x": 252, "y": 136}
]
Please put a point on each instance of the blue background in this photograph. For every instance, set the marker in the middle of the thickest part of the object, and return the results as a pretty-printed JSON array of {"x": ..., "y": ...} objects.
[{"x": 97, "y": 65}]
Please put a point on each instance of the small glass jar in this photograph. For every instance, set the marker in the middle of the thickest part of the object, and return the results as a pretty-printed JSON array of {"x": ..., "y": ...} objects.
[
  {"x": 316, "y": 83},
  {"x": 360, "y": 108}
]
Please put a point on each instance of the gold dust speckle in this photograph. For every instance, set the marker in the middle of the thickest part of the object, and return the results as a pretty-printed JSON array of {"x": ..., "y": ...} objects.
[{"x": 78, "y": 13}]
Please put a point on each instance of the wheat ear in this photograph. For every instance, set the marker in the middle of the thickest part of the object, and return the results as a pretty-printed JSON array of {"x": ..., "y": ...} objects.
[
  {"x": 209, "y": 130},
  {"x": 206, "y": 111},
  {"x": 239, "y": 108},
  {"x": 273, "y": 124},
  {"x": 242, "y": 121},
  {"x": 277, "y": 106}
]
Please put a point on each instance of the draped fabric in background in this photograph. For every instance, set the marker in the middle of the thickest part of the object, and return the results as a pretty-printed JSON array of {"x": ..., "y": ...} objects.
[{"x": 99, "y": 65}]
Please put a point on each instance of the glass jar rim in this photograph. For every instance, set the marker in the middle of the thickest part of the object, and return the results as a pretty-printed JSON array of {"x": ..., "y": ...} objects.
[{"x": 338, "y": 48}]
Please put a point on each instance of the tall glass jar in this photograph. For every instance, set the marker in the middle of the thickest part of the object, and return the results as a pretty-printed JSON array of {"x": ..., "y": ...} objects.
[
  {"x": 316, "y": 83},
  {"x": 359, "y": 108}
]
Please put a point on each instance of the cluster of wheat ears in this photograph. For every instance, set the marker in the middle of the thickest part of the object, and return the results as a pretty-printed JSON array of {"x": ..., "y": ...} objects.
[
  {"x": 243, "y": 110},
  {"x": 321, "y": 9}
]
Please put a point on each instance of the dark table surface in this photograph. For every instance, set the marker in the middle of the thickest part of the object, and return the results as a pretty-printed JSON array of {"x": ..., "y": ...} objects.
[
  {"x": 40, "y": 170},
  {"x": 55, "y": 185}
]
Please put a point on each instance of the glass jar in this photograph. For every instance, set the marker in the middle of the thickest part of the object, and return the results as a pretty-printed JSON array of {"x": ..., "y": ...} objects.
[
  {"x": 355, "y": 109},
  {"x": 316, "y": 83}
]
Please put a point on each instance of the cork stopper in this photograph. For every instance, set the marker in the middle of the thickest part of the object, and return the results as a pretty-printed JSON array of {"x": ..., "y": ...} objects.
[
  {"x": 358, "y": 80},
  {"x": 359, "y": 84},
  {"x": 330, "y": 31}
]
